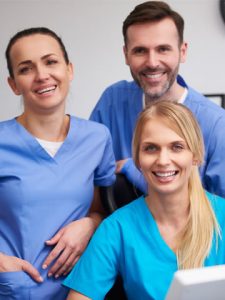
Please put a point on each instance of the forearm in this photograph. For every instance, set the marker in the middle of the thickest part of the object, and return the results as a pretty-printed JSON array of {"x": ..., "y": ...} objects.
[
  {"x": 96, "y": 213},
  {"x": 73, "y": 295},
  {"x": 96, "y": 218}
]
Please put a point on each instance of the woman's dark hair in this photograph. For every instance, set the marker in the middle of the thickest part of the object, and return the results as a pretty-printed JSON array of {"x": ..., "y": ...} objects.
[{"x": 28, "y": 32}]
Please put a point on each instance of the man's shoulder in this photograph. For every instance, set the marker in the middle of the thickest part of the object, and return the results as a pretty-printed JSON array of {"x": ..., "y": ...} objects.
[
  {"x": 202, "y": 106},
  {"x": 123, "y": 85},
  {"x": 118, "y": 97}
]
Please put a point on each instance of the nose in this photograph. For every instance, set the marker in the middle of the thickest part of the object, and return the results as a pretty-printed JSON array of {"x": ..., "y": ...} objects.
[
  {"x": 152, "y": 60},
  {"x": 163, "y": 158},
  {"x": 41, "y": 73}
]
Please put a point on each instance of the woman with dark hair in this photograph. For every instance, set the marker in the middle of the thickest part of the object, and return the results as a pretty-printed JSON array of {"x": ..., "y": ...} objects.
[{"x": 51, "y": 165}]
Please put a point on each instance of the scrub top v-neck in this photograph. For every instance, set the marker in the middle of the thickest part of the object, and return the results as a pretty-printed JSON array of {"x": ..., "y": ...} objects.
[{"x": 40, "y": 194}]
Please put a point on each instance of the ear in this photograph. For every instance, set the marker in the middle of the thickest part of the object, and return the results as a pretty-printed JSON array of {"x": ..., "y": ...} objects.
[
  {"x": 13, "y": 86},
  {"x": 183, "y": 52},
  {"x": 195, "y": 162},
  {"x": 70, "y": 71},
  {"x": 125, "y": 55}
]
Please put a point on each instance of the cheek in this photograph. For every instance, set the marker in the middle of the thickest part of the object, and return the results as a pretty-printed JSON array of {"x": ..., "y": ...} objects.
[
  {"x": 187, "y": 165},
  {"x": 22, "y": 86},
  {"x": 64, "y": 76},
  {"x": 135, "y": 63},
  {"x": 145, "y": 162},
  {"x": 173, "y": 62}
]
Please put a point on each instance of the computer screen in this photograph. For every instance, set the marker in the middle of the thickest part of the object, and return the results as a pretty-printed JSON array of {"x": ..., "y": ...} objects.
[{"x": 198, "y": 284}]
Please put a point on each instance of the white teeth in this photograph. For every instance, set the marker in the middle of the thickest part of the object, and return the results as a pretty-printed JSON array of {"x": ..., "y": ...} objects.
[
  {"x": 49, "y": 89},
  {"x": 153, "y": 76},
  {"x": 165, "y": 174}
]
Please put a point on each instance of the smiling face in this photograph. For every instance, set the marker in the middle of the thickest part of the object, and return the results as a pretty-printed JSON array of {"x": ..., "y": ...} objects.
[
  {"x": 164, "y": 159},
  {"x": 153, "y": 53},
  {"x": 41, "y": 74}
]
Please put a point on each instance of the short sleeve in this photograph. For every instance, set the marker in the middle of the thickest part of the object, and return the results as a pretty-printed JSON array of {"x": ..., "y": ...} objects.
[
  {"x": 95, "y": 272},
  {"x": 105, "y": 172}
]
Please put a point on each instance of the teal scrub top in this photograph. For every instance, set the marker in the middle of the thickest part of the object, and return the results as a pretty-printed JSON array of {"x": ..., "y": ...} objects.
[{"x": 129, "y": 243}]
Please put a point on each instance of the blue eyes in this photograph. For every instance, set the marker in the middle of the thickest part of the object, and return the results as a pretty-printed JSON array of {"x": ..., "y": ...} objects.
[
  {"x": 178, "y": 147},
  {"x": 150, "y": 148},
  {"x": 154, "y": 148}
]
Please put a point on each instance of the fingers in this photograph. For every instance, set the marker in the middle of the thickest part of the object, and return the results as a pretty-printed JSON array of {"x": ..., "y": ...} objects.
[
  {"x": 53, "y": 255},
  {"x": 119, "y": 165},
  {"x": 64, "y": 264},
  {"x": 55, "y": 238},
  {"x": 70, "y": 243},
  {"x": 28, "y": 268},
  {"x": 72, "y": 265}
]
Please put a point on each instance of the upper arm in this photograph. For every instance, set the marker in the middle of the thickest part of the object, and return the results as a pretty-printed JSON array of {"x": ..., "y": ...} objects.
[
  {"x": 96, "y": 205},
  {"x": 97, "y": 211},
  {"x": 73, "y": 295},
  {"x": 212, "y": 170}
]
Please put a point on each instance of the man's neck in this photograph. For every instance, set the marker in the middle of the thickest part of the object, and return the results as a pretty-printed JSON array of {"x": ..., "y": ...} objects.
[{"x": 175, "y": 95}]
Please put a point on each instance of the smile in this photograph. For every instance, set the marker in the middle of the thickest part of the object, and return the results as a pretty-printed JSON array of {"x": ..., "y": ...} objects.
[
  {"x": 153, "y": 76},
  {"x": 165, "y": 174},
  {"x": 46, "y": 90}
]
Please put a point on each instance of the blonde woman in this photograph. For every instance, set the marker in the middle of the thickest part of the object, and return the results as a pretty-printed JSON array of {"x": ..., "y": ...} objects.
[{"x": 177, "y": 225}]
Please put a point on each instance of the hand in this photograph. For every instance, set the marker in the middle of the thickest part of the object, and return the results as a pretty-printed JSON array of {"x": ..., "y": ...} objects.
[
  {"x": 70, "y": 243},
  {"x": 14, "y": 264},
  {"x": 120, "y": 164}
]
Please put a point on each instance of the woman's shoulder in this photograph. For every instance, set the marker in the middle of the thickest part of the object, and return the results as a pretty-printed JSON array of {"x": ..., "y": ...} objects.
[
  {"x": 128, "y": 212},
  {"x": 218, "y": 205},
  {"x": 215, "y": 198},
  {"x": 89, "y": 125},
  {"x": 8, "y": 125}
]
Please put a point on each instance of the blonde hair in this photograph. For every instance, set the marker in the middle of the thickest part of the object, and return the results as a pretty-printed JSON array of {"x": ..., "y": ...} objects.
[{"x": 195, "y": 240}]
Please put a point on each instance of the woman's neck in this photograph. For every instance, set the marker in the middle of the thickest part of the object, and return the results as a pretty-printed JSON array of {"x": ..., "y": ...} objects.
[
  {"x": 171, "y": 215},
  {"x": 52, "y": 127}
]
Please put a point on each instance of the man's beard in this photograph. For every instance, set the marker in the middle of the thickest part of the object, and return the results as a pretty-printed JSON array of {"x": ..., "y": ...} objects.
[{"x": 151, "y": 96}]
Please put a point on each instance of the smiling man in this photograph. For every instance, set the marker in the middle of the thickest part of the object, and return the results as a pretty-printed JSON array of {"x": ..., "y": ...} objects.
[{"x": 153, "y": 49}]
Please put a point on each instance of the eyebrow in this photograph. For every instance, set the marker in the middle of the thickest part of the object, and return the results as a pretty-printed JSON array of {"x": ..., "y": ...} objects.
[
  {"x": 26, "y": 62},
  {"x": 156, "y": 144}
]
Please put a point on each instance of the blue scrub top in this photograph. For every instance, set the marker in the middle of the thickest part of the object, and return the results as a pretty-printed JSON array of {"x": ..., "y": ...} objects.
[
  {"x": 122, "y": 102},
  {"x": 39, "y": 195}
]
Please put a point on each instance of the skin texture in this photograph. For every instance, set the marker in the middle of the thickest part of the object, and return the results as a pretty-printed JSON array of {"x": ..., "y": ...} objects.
[
  {"x": 42, "y": 78},
  {"x": 166, "y": 163},
  {"x": 165, "y": 159},
  {"x": 38, "y": 68},
  {"x": 153, "y": 54}
]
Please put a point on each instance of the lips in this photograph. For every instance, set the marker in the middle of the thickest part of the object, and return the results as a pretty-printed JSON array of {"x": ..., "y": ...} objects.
[
  {"x": 45, "y": 90},
  {"x": 166, "y": 176},
  {"x": 153, "y": 74}
]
